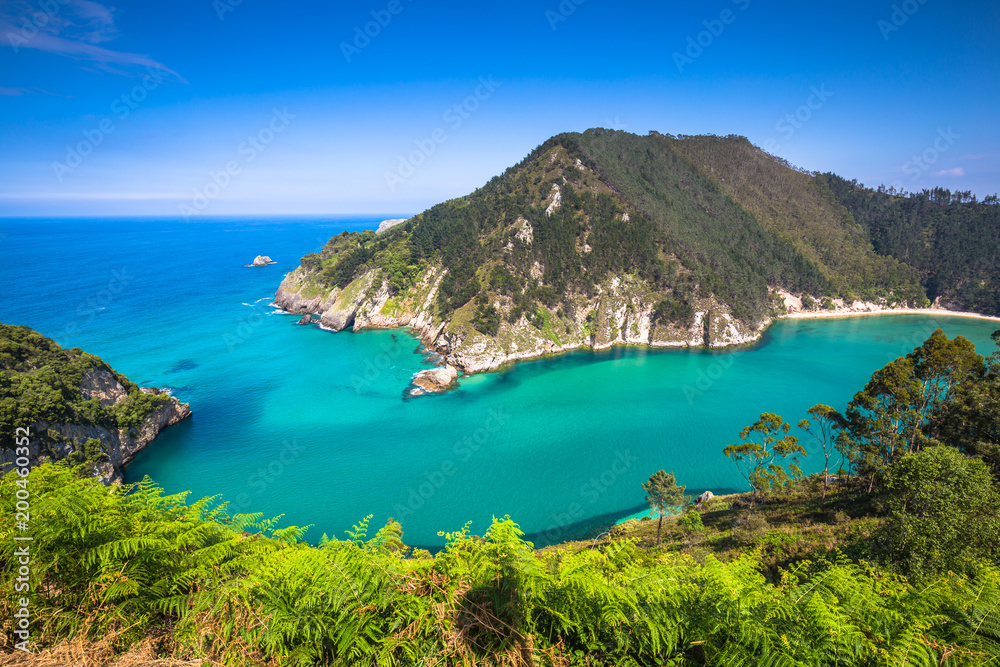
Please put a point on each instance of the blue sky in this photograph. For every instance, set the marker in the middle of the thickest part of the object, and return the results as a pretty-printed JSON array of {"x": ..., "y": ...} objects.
[{"x": 221, "y": 107}]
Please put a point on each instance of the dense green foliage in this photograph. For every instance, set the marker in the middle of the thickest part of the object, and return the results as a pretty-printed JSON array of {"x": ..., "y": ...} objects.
[
  {"x": 801, "y": 209},
  {"x": 693, "y": 217},
  {"x": 40, "y": 382},
  {"x": 132, "y": 566},
  {"x": 761, "y": 453},
  {"x": 952, "y": 239},
  {"x": 944, "y": 513}
]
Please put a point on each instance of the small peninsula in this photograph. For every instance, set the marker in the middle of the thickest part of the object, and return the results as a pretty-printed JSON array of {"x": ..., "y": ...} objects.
[
  {"x": 607, "y": 238},
  {"x": 75, "y": 406}
]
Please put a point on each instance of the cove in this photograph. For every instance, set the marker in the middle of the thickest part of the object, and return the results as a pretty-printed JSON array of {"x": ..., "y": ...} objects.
[
  {"x": 295, "y": 421},
  {"x": 560, "y": 444}
]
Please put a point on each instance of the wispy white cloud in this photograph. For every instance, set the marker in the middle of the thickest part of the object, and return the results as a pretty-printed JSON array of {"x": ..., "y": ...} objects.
[
  {"x": 978, "y": 156},
  {"x": 21, "y": 92},
  {"x": 74, "y": 30},
  {"x": 957, "y": 171}
]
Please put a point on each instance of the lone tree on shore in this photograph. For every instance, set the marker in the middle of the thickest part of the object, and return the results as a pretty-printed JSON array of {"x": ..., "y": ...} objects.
[
  {"x": 825, "y": 424},
  {"x": 664, "y": 495},
  {"x": 759, "y": 457}
]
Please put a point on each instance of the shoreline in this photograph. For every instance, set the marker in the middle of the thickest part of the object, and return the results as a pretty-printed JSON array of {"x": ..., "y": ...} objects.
[{"x": 941, "y": 312}]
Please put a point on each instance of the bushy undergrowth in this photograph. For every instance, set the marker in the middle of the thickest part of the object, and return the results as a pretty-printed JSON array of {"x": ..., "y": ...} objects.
[{"x": 131, "y": 564}]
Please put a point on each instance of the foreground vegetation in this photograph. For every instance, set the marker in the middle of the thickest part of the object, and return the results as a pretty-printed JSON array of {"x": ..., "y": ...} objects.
[
  {"x": 896, "y": 564},
  {"x": 133, "y": 567}
]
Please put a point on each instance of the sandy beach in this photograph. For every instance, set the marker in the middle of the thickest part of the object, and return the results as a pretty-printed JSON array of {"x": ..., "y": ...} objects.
[{"x": 802, "y": 315}]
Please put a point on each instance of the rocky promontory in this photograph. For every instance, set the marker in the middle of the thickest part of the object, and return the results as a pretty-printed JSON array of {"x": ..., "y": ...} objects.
[
  {"x": 104, "y": 420},
  {"x": 599, "y": 239}
]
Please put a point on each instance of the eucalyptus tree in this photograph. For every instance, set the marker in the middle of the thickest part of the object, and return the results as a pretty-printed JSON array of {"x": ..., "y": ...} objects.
[
  {"x": 826, "y": 425},
  {"x": 761, "y": 454}
]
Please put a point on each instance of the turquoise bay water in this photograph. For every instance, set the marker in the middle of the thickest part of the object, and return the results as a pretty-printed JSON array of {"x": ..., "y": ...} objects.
[{"x": 313, "y": 425}]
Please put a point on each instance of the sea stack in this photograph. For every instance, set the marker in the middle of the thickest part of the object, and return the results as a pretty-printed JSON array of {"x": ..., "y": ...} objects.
[{"x": 262, "y": 260}]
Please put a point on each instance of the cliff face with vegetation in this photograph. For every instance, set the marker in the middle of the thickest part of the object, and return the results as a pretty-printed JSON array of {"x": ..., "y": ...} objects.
[
  {"x": 77, "y": 407},
  {"x": 605, "y": 238}
]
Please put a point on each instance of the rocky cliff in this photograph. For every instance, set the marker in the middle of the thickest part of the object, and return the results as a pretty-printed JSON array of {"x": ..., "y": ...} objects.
[
  {"x": 621, "y": 312},
  {"x": 101, "y": 420}
]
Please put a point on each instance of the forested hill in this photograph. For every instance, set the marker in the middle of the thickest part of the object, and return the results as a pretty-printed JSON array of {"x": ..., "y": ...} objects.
[
  {"x": 607, "y": 237},
  {"x": 68, "y": 404},
  {"x": 952, "y": 239}
]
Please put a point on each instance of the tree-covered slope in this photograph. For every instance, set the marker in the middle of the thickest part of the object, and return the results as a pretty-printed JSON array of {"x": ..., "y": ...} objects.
[
  {"x": 800, "y": 208},
  {"x": 952, "y": 239},
  {"x": 605, "y": 237},
  {"x": 75, "y": 405}
]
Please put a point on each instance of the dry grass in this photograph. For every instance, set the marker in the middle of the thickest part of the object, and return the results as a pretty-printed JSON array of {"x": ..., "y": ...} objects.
[{"x": 96, "y": 654}]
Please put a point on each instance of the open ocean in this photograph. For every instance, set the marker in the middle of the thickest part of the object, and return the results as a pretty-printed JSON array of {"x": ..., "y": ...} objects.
[{"x": 314, "y": 426}]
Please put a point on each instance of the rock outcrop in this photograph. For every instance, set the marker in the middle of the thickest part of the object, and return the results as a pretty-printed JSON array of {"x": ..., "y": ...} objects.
[
  {"x": 386, "y": 225},
  {"x": 434, "y": 380},
  {"x": 262, "y": 260},
  {"x": 306, "y": 319},
  {"x": 621, "y": 312},
  {"x": 57, "y": 441}
]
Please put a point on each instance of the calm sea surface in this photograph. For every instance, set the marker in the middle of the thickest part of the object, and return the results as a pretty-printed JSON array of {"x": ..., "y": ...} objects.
[{"x": 314, "y": 426}]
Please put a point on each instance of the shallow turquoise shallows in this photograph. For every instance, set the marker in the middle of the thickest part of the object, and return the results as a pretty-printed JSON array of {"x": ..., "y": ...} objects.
[{"x": 313, "y": 425}]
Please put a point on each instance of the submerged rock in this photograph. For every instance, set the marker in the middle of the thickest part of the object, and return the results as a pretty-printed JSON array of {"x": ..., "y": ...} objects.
[
  {"x": 434, "y": 380},
  {"x": 262, "y": 260}
]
